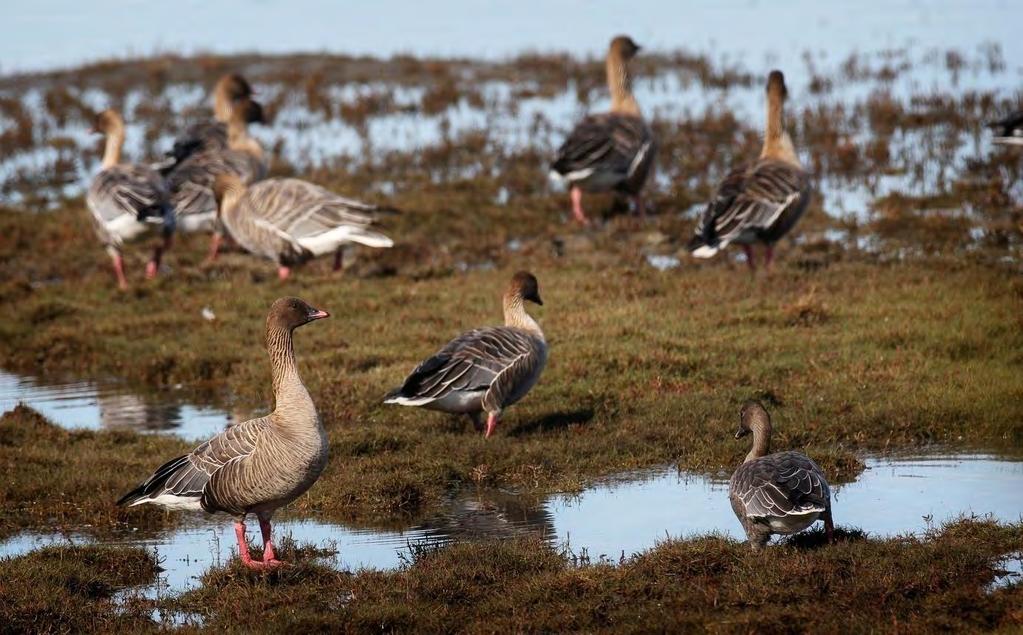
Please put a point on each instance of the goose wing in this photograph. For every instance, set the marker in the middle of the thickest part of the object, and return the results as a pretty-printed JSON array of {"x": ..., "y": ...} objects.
[
  {"x": 185, "y": 482},
  {"x": 608, "y": 143},
  {"x": 313, "y": 216},
  {"x": 782, "y": 484},
  {"x": 127, "y": 190},
  {"x": 203, "y": 136},
  {"x": 751, "y": 198},
  {"x": 489, "y": 361},
  {"x": 191, "y": 182}
]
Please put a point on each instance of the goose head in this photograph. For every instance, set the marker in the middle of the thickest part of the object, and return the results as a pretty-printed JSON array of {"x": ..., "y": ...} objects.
[
  {"x": 776, "y": 85},
  {"x": 524, "y": 286},
  {"x": 288, "y": 314},
  {"x": 753, "y": 418},
  {"x": 108, "y": 123},
  {"x": 233, "y": 86},
  {"x": 251, "y": 111},
  {"x": 623, "y": 47}
]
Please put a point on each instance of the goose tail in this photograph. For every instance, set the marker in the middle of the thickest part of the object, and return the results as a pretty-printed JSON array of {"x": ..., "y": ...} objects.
[{"x": 699, "y": 248}]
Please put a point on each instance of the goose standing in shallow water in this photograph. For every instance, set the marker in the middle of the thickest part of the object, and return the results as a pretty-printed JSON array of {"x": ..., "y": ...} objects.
[
  {"x": 483, "y": 370},
  {"x": 1008, "y": 131},
  {"x": 780, "y": 493},
  {"x": 232, "y": 92},
  {"x": 127, "y": 202},
  {"x": 191, "y": 182},
  {"x": 758, "y": 202},
  {"x": 259, "y": 465},
  {"x": 291, "y": 221},
  {"x": 609, "y": 151}
]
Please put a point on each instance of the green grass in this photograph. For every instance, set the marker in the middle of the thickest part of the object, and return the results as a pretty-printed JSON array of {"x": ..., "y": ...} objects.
[{"x": 646, "y": 368}]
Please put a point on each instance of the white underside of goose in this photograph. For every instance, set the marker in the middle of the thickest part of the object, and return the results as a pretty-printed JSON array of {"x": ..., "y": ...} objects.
[
  {"x": 170, "y": 501},
  {"x": 791, "y": 523},
  {"x": 329, "y": 241},
  {"x": 203, "y": 222},
  {"x": 127, "y": 227},
  {"x": 460, "y": 402}
]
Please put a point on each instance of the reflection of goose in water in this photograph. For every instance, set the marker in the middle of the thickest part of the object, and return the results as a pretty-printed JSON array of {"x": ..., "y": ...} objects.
[
  {"x": 118, "y": 410},
  {"x": 489, "y": 514}
]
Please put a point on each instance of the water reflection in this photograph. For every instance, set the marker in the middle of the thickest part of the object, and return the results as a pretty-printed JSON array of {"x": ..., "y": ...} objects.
[
  {"x": 109, "y": 405},
  {"x": 619, "y": 517}
]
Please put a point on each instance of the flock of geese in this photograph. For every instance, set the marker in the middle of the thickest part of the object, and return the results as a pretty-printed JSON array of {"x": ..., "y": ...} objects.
[
  {"x": 257, "y": 466},
  {"x": 213, "y": 180}
]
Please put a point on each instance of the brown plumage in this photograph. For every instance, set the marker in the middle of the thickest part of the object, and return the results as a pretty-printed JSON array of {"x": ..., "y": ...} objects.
[
  {"x": 231, "y": 93},
  {"x": 191, "y": 183},
  {"x": 259, "y": 465},
  {"x": 781, "y": 493},
  {"x": 291, "y": 221},
  {"x": 483, "y": 370},
  {"x": 609, "y": 151},
  {"x": 127, "y": 202},
  {"x": 762, "y": 201}
]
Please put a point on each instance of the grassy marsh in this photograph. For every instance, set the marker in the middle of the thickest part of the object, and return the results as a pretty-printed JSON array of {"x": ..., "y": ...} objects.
[{"x": 903, "y": 334}]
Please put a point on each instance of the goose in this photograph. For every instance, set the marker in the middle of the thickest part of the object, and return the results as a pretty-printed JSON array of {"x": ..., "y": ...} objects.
[
  {"x": 780, "y": 493},
  {"x": 191, "y": 182},
  {"x": 127, "y": 202},
  {"x": 486, "y": 369},
  {"x": 231, "y": 92},
  {"x": 292, "y": 221},
  {"x": 758, "y": 202},
  {"x": 613, "y": 150},
  {"x": 1008, "y": 131},
  {"x": 257, "y": 466}
]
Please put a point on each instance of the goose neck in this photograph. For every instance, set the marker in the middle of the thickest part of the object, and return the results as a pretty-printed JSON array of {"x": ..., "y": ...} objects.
[
  {"x": 292, "y": 402},
  {"x": 777, "y": 142},
  {"x": 619, "y": 84},
  {"x": 515, "y": 315},
  {"x": 112, "y": 149},
  {"x": 761, "y": 440}
]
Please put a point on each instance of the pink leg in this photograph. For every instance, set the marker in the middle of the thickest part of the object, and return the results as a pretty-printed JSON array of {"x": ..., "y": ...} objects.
[
  {"x": 338, "y": 259},
  {"x": 829, "y": 527},
  {"x": 243, "y": 546},
  {"x": 491, "y": 424},
  {"x": 269, "y": 558},
  {"x": 153, "y": 266},
  {"x": 283, "y": 272},
  {"x": 749, "y": 257},
  {"x": 769, "y": 257},
  {"x": 577, "y": 206},
  {"x": 122, "y": 282},
  {"x": 214, "y": 246}
]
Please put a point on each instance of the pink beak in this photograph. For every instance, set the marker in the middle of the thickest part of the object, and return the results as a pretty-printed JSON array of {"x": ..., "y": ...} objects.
[{"x": 318, "y": 315}]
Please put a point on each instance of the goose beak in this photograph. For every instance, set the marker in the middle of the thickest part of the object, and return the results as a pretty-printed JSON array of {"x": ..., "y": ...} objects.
[
  {"x": 740, "y": 433},
  {"x": 318, "y": 315}
]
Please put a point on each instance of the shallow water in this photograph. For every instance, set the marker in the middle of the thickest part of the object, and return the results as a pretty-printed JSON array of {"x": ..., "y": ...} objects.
[
  {"x": 110, "y": 405},
  {"x": 612, "y": 519}
]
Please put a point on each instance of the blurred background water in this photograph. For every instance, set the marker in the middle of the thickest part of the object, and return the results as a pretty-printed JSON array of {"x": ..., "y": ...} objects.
[{"x": 61, "y": 33}]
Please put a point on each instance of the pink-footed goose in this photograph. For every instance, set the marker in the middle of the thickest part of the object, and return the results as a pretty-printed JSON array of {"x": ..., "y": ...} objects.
[
  {"x": 231, "y": 92},
  {"x": 291, "y": 221},
  {"x": 483, "y": 370},
  {"x": 1008, "y": 131},
  {"x": 762, "y": 201},
  {"x": 257, "y": 466},
  {"x": 127, "y": 202},
  {"x": 780, "y": 493},
  {"x": 613, "y": 150},
  {"x": 191, "y": 182}
]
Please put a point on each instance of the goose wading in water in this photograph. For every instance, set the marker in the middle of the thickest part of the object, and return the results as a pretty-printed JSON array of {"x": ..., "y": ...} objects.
[
  {"x": 613, "y": 150},
  {"x": 127, "y": 202},
  {"x": 231, "y": 93},
  {"x": 291, "y": 221},
  {"x": 1008, "y": 131},
  {"x": 259, "y": 465},
  {"x": 761, "y": 201},
  {"x": 483, "y": 370},
  {"x": 780, "y": 493},
  {"x": 191, "y": 182}
]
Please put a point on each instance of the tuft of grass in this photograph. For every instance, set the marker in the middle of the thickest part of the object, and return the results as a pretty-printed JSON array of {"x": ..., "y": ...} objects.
[{"x": 71, "y": 589}]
